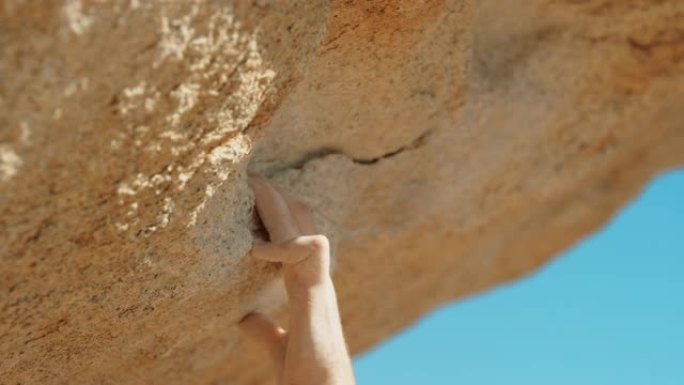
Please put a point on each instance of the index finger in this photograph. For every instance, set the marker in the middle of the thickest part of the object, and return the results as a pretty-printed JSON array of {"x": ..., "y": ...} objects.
[
  {"x": 300, "y": 212},
  {"x": 273, "y": 210}
]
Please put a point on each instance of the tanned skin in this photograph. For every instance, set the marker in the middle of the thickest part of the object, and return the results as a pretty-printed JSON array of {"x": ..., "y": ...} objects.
[{"x": 312, "y": 351}]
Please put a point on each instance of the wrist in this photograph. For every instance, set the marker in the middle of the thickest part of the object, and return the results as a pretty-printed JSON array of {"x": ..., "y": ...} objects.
[{"x": 304, "y": 288}]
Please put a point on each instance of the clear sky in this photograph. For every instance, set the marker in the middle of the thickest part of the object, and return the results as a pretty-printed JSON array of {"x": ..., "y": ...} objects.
[{"x": 608, "y": 311}]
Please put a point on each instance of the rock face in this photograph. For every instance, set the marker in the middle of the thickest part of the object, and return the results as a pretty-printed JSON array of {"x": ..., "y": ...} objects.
[{"x": 445, "y": 146}]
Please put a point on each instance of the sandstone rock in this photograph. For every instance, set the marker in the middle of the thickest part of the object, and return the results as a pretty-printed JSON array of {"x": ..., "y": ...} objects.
[{"x": 446, "y": 146}]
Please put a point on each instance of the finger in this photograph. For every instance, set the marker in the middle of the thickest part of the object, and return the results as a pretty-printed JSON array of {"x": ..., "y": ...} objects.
[
  {"x": 300, "y": 212},
  {"x": 292, "y": 251},
  {"x": 266, "y": 333},
  {"x": 273, "y": 210}
]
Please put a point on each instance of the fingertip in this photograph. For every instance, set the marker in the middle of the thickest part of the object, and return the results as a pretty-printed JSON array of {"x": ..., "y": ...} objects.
[
  {"x": 260, "y": 186},
  {"x": 251, "y": 321},
  {"x": 242, "y": 320},
  {"x": 251, "y": 181},
  {"x": 255, "y": 179},
  {"x": 261, "y": 327}
]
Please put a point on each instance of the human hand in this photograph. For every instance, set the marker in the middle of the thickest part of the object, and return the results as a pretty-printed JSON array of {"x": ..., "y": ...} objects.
[
  {"x": 294, "y": 241},
  {"x": 313, "y": 351}
]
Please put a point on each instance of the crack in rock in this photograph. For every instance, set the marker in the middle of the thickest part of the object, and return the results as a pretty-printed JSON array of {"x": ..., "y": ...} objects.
[{"x": 322, "y": 153}]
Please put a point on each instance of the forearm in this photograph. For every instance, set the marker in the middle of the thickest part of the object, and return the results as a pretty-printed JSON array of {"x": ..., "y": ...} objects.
[{"x": 315, "y": 337}]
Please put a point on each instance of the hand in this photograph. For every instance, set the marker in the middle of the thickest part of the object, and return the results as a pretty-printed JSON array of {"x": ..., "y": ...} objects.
[{"x": 313, "y": 351}]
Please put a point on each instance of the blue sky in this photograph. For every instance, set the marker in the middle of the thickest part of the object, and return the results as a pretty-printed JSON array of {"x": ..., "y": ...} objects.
[{"x": 608, "y": 311}]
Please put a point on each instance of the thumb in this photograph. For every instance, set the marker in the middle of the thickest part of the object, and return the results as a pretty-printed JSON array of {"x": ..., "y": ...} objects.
[{"x": 268, "y": 334}]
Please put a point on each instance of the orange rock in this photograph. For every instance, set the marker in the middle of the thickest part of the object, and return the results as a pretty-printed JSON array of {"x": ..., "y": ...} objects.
[{"x": 446, "y": 147}]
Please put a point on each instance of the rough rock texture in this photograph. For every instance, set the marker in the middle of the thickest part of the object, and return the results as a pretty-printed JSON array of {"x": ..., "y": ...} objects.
[{"x": 446, "y": 146}]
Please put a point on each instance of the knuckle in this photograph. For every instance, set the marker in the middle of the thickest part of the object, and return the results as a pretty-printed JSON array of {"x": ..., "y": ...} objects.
[{"x": 319, "y": 243}]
